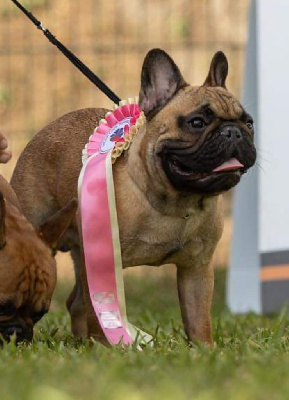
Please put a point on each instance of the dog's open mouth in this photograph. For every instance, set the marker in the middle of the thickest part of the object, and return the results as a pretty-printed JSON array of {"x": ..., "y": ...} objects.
[
  {"x": 203, "y": 178},
  {"x": 232, "y": 165}
]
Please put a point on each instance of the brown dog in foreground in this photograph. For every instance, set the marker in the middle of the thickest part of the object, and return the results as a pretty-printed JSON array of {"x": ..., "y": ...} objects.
[
  {"x": 27, "y": 266},
  {"x": 197, "y": 143}
]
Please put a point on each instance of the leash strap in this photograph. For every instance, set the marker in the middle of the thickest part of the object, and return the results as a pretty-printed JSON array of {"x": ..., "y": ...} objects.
[{"x": 72, "y": 57}]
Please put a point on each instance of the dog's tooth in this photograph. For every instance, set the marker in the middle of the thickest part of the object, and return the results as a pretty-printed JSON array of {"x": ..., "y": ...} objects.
[
  {"x": 136, "y": 99},
  {"x": 122, "y": 103},
  {"x": 107, "y": 114},
  {"x": 130, "y": 100},
  {"x": 103, "y": 121}
]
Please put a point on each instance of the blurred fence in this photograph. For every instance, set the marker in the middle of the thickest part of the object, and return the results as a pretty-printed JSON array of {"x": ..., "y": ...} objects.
[{"x": 38, "y": 84}]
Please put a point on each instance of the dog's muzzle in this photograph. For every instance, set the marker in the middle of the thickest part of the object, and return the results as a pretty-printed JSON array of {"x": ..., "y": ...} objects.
[
  {"x": 17, "y": 328},
  {"x": 214, "y": 164}
]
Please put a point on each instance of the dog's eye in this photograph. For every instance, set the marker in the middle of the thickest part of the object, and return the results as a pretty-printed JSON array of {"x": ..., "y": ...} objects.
[
  {"x": 250, "y": 124},
  {"x": 197, "y": 122}
]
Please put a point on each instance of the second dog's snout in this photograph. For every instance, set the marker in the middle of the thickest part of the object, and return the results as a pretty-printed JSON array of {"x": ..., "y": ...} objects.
[
  {"x": 231, "y": 132},
  {"x": 23, "y": 332}
]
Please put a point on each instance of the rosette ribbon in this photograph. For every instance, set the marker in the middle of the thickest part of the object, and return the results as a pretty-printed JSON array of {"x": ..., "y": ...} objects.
[{"x": 99, "y": 224}]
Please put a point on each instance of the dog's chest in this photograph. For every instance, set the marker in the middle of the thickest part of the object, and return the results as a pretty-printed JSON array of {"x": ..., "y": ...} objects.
[{"x": 157, "y": 241}]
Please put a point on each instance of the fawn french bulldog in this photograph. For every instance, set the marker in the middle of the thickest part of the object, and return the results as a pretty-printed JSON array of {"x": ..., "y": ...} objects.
[{"x": 197, "y": 143}]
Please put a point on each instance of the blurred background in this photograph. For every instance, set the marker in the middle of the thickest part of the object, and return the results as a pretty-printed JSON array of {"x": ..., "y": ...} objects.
[{"x": 38, "y": 84}]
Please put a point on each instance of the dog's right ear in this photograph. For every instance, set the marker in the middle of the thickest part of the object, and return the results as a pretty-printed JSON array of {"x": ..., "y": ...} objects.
[
  {"x": 54, "y": 227},
  {"x": 2, "y": 222},
  {"x": 160, "y": 80},
  {"x": 218, "y": 71}
]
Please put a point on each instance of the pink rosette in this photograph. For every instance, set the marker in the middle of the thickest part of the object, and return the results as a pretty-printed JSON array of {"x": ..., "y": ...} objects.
[{"x": 112, "y": 129}]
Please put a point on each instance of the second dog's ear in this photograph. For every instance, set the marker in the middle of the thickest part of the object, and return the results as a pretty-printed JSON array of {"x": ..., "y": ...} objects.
[
  {"x": 54, "y": 227},
  {"x": 218, "y": 71},
  {"x": 160, "y": 80},
  {"x": 2, "y": 222}
]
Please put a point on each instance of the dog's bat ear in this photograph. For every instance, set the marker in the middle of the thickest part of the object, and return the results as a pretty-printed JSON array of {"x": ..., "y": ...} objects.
[
  {"x": 2, "y": 222},
  {"x": 160, "y": 80},
  {"x": 54, "y": 227},
  {"x": 218, "y": 71}
]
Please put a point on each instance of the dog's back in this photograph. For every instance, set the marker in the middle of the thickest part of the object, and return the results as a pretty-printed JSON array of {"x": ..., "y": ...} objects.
[{"x": 45, "y": 177}]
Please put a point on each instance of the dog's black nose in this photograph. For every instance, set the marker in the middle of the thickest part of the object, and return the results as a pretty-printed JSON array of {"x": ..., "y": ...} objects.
[
  {"x": 231, "y": 132},
  {"x": 23, "y": 332}
]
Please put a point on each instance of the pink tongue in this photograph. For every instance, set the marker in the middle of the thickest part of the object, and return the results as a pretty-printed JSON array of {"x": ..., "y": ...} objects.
[{"x": 233, "y": 163}]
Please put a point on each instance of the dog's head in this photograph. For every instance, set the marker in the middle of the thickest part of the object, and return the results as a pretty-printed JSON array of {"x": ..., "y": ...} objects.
[
  {"x": 199, "y": 139},
  {"x": 27, "y": 268}
]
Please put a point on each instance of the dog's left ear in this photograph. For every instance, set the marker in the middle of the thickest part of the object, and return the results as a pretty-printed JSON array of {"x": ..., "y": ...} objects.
[
  {"x": 54, "y": 227},
  {"x": 218, "y": 71},
  {"x": 160, "y": 80}
]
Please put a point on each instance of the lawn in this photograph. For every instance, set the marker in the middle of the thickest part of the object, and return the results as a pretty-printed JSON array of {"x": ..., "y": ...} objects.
[{"x": 250, "y": 359}]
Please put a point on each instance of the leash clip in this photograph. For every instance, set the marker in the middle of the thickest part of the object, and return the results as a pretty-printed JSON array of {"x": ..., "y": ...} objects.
[{"x": 42, "y": 27}]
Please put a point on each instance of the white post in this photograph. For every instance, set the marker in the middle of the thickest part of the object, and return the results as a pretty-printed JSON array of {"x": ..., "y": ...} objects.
[
  {"x": 244, "y": 289},
  {"x": 258, "y": 278}
]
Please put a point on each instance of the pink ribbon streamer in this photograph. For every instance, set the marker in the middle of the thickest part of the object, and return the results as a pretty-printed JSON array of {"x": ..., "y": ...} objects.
[{"x": 98, "y": 250}]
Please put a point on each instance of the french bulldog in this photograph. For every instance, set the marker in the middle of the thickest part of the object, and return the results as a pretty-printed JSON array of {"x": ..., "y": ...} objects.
[
  {"x": 197, "y": 143},
  {"x": 27, "y": 264}
]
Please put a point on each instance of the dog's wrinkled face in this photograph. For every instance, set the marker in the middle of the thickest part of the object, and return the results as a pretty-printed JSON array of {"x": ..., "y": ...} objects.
[
  {"x": 201, "y": 137},
  {"x": 27, "y": 269}
]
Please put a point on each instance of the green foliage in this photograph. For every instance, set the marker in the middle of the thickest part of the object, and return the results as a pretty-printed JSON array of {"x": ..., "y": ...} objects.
[{"x": 249, "y": 360}]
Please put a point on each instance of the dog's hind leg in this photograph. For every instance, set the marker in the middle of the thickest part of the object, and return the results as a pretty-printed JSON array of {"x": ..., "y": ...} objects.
[
  {"x": 84, "y": 322},
  {"x": 75, "y": 302}
]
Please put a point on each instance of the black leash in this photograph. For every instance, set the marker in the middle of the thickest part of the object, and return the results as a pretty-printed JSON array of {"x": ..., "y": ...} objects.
[{"x": 72, "y": 57}]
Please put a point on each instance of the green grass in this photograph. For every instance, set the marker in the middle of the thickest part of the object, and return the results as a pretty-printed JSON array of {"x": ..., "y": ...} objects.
[{"x": 250, "y": 359}]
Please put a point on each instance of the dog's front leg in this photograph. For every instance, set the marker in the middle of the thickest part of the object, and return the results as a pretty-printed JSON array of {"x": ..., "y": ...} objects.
[{"x": 195, "y": 288}]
